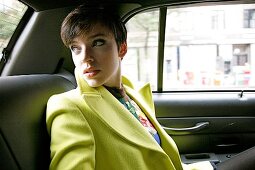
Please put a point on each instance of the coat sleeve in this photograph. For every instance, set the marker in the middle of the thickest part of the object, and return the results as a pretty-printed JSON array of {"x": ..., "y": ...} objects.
[{"x": 72, "y": 144}]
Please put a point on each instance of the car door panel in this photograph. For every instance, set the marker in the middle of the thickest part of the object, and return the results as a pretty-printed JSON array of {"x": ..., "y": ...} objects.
[{"x": 208, "y": 122}]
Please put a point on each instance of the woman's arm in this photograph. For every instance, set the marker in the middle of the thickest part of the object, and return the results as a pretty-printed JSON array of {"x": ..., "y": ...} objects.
[{"x": 72, "y": 144}]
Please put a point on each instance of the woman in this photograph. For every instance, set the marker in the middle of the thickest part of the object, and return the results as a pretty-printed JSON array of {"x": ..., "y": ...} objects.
[{"x": 105, "y": 123}]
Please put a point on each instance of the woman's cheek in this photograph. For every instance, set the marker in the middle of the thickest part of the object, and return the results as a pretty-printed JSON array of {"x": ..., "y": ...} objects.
[{"x": 76, "y": 61}]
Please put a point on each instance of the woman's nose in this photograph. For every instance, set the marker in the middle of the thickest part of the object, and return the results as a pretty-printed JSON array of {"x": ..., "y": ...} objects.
[{"x": 88, "y": 55}]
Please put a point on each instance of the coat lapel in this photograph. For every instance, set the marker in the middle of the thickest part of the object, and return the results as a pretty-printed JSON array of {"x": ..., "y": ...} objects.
[
  {"x": 116, "y": 116},
  {"x": 167, "y": 143}
]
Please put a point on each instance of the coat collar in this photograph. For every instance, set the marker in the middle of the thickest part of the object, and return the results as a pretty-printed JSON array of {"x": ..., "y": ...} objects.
[{"x": 114, "y": 115}]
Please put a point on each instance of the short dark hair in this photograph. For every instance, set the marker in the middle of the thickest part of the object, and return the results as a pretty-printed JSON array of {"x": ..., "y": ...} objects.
[{"x": 82, "y": 19}]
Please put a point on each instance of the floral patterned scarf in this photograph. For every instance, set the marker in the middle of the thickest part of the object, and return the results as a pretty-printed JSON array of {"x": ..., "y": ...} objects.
[{"x": 135, "y": 110}]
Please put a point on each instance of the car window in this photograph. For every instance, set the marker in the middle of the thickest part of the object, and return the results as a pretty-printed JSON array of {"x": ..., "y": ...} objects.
[
  {"x": 210, "y": 47},
  {"x": 140, "y": 63},
  {"x": 206, "y": 48},
  {"x": 11, "y": 12}
]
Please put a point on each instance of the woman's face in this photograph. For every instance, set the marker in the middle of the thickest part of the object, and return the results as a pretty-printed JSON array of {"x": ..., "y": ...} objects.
[{"x": 97, "y": 57}]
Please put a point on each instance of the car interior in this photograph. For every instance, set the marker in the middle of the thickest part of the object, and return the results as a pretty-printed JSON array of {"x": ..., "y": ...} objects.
[{"x": 206, "y": 124}]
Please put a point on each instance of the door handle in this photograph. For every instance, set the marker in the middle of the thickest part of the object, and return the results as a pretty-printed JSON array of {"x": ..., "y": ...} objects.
[
  {"x": 187, "y": 130},
  {"x": 227, "y": 145}
]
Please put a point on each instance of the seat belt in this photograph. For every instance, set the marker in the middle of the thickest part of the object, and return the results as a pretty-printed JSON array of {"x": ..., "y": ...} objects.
[{"x": 4, "y": 59}]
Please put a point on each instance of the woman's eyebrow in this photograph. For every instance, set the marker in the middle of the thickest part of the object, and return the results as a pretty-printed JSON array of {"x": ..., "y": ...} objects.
[
  {"x": 73, "y": 42},
  {"x": 97, "y": 35}
]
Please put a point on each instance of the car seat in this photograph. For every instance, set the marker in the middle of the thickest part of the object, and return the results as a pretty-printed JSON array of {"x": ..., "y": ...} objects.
[{"x": 24, "y": 142}]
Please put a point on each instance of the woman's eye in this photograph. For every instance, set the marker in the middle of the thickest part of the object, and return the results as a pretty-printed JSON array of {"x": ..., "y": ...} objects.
[
  {"x": 75, "y": 49},
  {"x": 98, "y": 43}
]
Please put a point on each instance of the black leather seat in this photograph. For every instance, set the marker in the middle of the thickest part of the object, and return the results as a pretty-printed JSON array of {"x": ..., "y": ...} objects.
[{"x": 24, "y": 142}]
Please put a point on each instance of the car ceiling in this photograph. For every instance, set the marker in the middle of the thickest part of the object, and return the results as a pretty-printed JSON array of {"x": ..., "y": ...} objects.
[{"x": 41, "y": 5}]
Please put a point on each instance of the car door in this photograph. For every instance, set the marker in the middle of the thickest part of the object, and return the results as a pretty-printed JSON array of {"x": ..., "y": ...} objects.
[
  {"x": 199, "y": 60},
  {"x": 208, "y": 123}
]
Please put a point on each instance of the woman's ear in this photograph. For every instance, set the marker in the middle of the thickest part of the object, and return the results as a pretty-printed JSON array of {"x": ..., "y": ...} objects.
[{"x": 123, "y": 50}]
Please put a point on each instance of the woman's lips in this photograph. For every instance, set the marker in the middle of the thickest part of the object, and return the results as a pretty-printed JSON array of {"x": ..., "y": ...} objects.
[{"x": 91, "y": 73}]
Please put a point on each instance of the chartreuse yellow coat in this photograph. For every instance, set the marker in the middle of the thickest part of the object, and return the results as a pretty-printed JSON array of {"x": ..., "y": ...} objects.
[{"x": 90, "y": 129}]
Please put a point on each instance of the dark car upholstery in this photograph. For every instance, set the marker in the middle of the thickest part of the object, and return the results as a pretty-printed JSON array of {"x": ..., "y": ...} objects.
[{"x": 24, "y": 142}]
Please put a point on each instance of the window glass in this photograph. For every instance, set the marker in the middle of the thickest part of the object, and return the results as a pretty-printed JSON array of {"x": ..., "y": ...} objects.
[
  {"x": 11, "y": 12},
  {"x": 140, "y": 62},
  {"x": 210, "y": 47}
]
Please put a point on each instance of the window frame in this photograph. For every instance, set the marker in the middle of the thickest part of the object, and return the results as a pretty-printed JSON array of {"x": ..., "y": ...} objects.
[
  {"x": 16, "y": 34},
  {"x": 161, "y": 39},
  {"x": 161, "y": 47}
]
